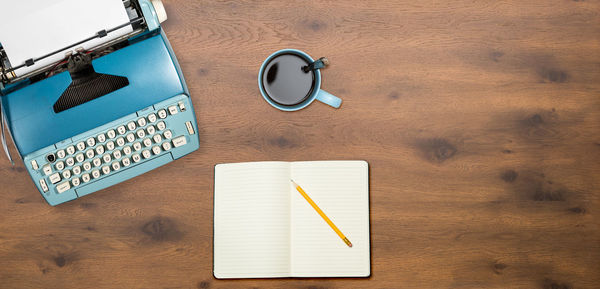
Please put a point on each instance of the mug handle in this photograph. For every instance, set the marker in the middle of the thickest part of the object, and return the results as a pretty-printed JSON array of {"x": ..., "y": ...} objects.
[{"x": 329, "y": 99}]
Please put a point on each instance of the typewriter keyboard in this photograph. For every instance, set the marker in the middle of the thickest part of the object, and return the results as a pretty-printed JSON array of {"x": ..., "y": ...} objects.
[{"x": 126, "y": 143}]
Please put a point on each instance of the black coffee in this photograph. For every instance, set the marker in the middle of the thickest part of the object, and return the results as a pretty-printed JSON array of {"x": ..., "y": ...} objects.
[{"x": 285, "y": 82}]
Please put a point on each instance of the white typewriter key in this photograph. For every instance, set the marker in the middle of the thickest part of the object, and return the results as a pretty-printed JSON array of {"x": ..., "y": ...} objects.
[
  {"x": 60, "y": 154},
  {"x": 136, "y": 158},
  {"x": 181, "y": 106},
  {"x": 66, "y": 174},
  {"x": 127, "y": 150},
  {"x": 55, "y": 178},
  {"x": 59, "y": 166},
  {"x": 97, "y": 162},
  {"x": 152, "y": 117},
  {"x": 81, "y": 146},
  {"x": 179, "y": 141},
  {"x": 156, "y": 150},
  {"x": 146, "y": 154},
  {"x": 101, "y": 137},
  {"x": 99, "y": 149},
  {"x": 141, "y": 121},
  {"x": 161, "y": 125},
  {"x": 130, "y": 137},
  {"x": 140, "y": 133},
  {"x": 91, "y": 142},
  {"x": 85, "y": 178},
  {"x": 62, "y": 187},
  {"x": 80, "y": 158},
  {"x": 168, "y": 134},
  {"x": 157, "y": 138},
  {"x": 71, "y": 150},
  {"x": 120, "y": 141},
  {"x": 110, "y": 145},
  {"x": 166, "y": 146},
  {"x": 190, "y": 127},
  {"x": 126, "y": 162},
  {"x": 131, "y": 125},
  {"x": 162, "y": 113},
  {"x": 95, "y": 174},
  {"x": 106, "y": 158},
  {"x": 121, "y": 129},
  {"x": 77, "y": 170},
  {"x": 116, "y": 166},
  {"x": 43, "y": 185},
  {"x": 47, "y": 170},
  {"x": 147, "y": 142},
  {"x": 75, "y": 182},
  {"x": 106, "y": 170},
  {"x": 34, "y": 165},
  {"x": 173, "y": 110},
  {"x": 111, "y": 133},
  {"x": 90, "y": 153},
  {"x": 87, "y": 166},
  {"x": 117, "y": 154},
  {"x": 151, "y": 130},
  {"x": 137, "y": 146}
]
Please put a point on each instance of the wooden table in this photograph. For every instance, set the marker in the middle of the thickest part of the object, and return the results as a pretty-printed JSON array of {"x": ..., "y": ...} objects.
[{"x": 480, "y": 121}]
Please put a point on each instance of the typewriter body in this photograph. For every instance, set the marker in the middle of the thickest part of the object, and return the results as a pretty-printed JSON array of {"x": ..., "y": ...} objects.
[{"x": 101, "y": 115}]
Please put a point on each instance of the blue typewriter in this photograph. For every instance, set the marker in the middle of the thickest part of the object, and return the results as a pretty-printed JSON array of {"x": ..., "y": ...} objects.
[{"x": 98, "y": 115}]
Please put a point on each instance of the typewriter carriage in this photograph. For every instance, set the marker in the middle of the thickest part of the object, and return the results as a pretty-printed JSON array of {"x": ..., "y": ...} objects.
[{"x": 145, "y": 17}]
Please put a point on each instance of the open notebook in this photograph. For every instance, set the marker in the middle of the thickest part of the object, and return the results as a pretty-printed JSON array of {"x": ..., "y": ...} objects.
[{"x": 264, "y": 228}]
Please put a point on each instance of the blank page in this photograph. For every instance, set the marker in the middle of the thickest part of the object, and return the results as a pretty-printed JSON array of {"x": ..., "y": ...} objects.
[
  {"x": 34, "y": 28},
  {"x": 341, "y": 190},
  {"x": 252, "y": 220}
]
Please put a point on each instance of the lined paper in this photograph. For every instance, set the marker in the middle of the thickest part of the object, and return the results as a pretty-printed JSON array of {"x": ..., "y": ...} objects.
[
  {"x": 264, "y": 228},
  {"x": 252, "y": 220},
  {"x": 340, "y": 189},
  {"x": 34, "y": 28}
]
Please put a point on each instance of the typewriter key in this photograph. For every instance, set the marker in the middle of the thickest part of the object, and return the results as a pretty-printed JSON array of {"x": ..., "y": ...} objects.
[{"x": 51, "y": 158}]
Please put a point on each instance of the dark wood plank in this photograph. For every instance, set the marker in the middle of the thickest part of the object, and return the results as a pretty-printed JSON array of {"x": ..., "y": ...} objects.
[{"x": 480, "y": 121}]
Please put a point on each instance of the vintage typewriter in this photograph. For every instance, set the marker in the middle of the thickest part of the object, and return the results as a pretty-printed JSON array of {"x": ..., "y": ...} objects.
[{"x": 99, "y": 115}]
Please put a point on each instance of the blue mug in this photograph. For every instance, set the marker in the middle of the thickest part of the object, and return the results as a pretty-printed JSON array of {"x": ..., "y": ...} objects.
[{"x": 317, "y": 93}]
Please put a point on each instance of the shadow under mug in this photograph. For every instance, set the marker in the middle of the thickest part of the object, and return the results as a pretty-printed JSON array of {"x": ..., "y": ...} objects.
[{"x": 317, "y": 93}]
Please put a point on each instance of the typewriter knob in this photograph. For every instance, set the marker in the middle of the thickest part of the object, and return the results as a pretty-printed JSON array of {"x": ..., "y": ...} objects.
[{"x": 160, "y": 10}]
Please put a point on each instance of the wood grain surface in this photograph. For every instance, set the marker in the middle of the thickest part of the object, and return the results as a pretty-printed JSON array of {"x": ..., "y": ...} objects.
[{"x": 480, "y": 121}]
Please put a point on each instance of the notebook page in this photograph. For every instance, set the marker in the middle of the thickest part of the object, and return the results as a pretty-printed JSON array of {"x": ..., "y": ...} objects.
[
  {"x": 252, "y": 220},
  {"x": 341, "y": 190}
]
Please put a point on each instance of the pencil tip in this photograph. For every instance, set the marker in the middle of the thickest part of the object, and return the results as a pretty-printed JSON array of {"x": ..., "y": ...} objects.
[{"x": 348, "y": 242}]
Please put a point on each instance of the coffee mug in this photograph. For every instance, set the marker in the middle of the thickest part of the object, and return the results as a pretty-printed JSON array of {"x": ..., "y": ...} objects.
[{"x": 286, "y": 86}]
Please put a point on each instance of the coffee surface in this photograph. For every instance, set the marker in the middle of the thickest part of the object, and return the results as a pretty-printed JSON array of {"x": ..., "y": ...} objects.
[{"x": 285, "y": 82}]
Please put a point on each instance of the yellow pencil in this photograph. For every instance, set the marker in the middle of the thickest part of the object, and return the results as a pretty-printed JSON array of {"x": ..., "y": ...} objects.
[{"x": 331, "y": 224}]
